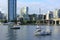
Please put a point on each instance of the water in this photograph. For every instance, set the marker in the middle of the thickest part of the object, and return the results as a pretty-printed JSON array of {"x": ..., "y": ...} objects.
[{"x": 27, "y": 33}]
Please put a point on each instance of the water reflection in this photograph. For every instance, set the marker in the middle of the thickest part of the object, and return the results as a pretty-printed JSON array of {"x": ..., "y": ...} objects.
[
  {"x": 24, "y": 33},
  {"x": 11, "y": 35},
  {"x": 56, "y": 33},
  {"x": 56, "y": 29}
]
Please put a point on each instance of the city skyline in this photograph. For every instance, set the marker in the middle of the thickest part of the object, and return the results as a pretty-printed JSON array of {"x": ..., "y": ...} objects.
[{"x": 33, "y": 5}]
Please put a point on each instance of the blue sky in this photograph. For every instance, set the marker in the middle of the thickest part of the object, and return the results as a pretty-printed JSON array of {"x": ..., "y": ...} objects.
[{"x": 33, "y": 5}]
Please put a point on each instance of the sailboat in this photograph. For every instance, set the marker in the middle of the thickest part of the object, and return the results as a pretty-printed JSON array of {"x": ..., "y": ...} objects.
[
  {"x": 38, "y": 28},
  {"x": 43, "y": 32}
]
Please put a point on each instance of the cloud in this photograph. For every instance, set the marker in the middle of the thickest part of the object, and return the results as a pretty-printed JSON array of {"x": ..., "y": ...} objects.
[
  {"x": 3, "y": 6},
  {"x": 33, "y": 5}
]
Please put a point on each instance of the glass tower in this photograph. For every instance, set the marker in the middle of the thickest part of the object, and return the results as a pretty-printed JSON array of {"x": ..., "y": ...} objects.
[
  {"x": 24, "y": 13},
  {"x": 12, "y": 10}
]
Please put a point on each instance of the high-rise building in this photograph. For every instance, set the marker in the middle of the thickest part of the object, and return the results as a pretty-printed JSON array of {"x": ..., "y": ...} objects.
[
  {"x": 49, "y": 15},
  {"x": 1, "y": 16},
  {"x": 33, "y": 17},
  {"x": 59, "y": 13},
  {"x": 55, "y": 13},
  {"x": 12, "y": 10},
  {"x": 24, "y": 13},
  {"x": 40, "y": 17}
]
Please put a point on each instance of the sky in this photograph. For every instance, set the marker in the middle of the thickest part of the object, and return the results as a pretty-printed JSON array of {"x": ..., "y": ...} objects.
[{"x": 34, "y": 5}]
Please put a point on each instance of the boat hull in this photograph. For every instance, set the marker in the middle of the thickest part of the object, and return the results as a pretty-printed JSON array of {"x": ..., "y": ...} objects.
[
  {"x": 15, "y": 28},
  {"x": 42, "y": 33}
]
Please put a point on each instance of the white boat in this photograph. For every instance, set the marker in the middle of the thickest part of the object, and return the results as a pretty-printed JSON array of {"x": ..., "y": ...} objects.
[
  {"x": 38, "y": 30},
  {"x": 12, "y": 26},
  {"x": 43, "y": 32}
]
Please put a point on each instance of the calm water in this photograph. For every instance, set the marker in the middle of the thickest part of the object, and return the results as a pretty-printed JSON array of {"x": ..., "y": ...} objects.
[{"x": 27, "y": 33}]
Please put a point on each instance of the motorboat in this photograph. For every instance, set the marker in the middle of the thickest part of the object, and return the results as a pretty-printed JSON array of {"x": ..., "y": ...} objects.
[
  {"x": 15, "y": 28},
  {"x": 12, "y": 26}
]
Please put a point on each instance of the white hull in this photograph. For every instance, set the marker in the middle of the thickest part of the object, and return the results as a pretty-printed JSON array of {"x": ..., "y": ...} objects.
[{"x": 42, "y": 32}]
